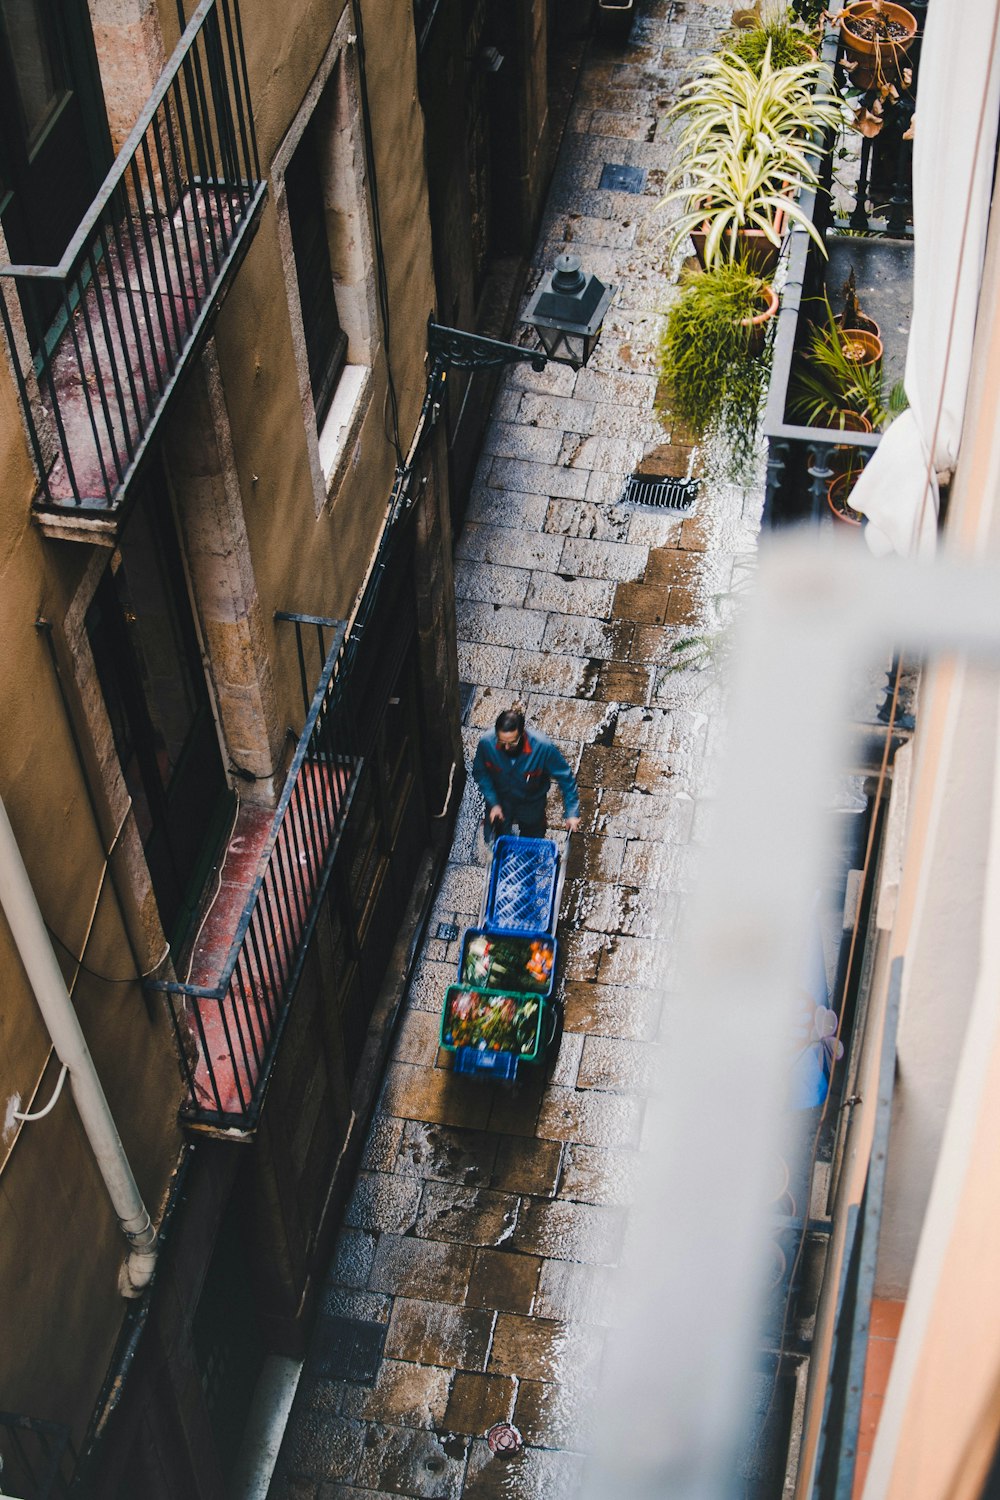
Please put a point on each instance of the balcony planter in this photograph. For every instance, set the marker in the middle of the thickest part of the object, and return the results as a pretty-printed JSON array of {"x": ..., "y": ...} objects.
[
  {"x": 615, "y": 18},
  {"x": 877, "y": 36}
]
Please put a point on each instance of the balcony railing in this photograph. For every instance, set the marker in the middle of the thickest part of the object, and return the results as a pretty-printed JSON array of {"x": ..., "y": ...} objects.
[
  {"x": 111, "y": 328},
  {"x": 228, "y": 1032},
  {"x": 36, "y": 1458}
]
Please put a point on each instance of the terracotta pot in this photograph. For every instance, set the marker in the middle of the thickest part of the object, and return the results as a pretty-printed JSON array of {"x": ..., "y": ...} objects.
[
  {"x": 837, "y": 491},
  {"x": 863, "y": 323},
  {"x": 853, "y": 421},
  {"x": 756, "y": 249},
  {"x": 758, "y": 323},
  {"x": 876, "y": 58},
  {"x": 860, "y": 347}
]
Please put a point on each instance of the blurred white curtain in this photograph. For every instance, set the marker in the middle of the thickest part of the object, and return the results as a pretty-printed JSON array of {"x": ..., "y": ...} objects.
[{"x": 958, "y": 93}]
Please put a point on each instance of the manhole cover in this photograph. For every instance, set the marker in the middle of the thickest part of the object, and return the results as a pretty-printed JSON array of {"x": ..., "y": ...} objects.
[
  {"x": 619, "y": 179},
  {"x": 660, "y": 494},
  {"x": 504, "y": 1438},
  {"x": 447, "y": 932},
  {"x": 347, "y": 1349}
]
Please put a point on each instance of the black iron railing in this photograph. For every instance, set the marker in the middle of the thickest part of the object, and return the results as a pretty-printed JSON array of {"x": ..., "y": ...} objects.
[
  {"x": 111, "y": 327},
  {"x": 837, "y": 1449},
  {"x": 36, "y": 1458},
  {"x": 228, "y": 1032}
]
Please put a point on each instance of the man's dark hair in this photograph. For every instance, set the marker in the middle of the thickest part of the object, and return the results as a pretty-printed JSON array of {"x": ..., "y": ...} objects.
[{"x": 508, "y": 720}]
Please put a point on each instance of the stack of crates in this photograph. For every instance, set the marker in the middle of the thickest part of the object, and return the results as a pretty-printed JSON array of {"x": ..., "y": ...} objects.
[{"x": 499, "y": 1014}]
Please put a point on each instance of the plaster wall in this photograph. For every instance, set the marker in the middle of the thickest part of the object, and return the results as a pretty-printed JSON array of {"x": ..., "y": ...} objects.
[{"x": 60, "y": 1245}]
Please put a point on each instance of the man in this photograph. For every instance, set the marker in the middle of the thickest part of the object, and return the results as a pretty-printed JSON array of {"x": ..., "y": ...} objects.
[{"x": 514, "y": 772}]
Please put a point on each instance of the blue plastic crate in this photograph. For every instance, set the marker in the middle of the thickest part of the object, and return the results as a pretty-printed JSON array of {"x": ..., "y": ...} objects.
[
  {"x": 496, "y": 1064},
  {"x": 522, "y": 889}
]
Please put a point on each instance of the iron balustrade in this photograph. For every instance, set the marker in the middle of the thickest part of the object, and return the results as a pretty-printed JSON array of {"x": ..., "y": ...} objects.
[
  {"x": 37, "y": 1458},
  {"x": 110, "y": 329},
  {"x": 228, "y": 1033}
]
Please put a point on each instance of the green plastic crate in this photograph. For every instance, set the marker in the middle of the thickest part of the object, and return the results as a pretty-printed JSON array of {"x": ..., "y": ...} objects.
[{"x": 492, "y": 1020}]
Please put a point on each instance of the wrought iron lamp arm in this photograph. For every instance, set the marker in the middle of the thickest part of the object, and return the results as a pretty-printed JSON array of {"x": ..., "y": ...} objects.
[{"x": 471, "y": 351}]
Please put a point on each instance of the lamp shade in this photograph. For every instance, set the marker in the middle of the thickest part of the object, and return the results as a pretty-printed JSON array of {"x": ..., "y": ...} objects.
[{"x": 567, "y": 312}]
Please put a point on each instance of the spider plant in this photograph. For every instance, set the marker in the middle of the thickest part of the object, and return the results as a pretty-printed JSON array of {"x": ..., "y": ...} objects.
[
  {"x": 712, "y": 379},
  {"x": 828, "y": 383},
  {"x": 745, "y": 145}
]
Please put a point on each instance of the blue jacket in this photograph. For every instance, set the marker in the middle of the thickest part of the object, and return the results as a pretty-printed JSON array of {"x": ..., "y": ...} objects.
[{"x": 520, "y": 783}]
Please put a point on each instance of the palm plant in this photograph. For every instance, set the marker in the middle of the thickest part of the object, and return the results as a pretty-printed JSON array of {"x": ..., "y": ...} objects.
[
  {"x": 745, "y": 143},
  {"x": 828, "y": 383}
]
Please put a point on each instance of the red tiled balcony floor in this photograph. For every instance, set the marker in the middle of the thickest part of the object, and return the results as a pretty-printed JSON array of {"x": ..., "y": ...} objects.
[
  {"x": 883, "y": 1332},
  {"x": 233, "y": 1033}
]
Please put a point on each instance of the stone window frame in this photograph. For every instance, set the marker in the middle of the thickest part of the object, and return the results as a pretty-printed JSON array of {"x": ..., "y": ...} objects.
[{"x": 334, "y": 90}]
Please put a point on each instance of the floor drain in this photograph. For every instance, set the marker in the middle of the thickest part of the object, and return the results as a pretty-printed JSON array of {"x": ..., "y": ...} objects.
[
  {"x": 645, "y": 493},
  {"x": 504, "y": 1438},
  {"x": 621, "y": 179},
  {"x": 347, "y": 1349}
]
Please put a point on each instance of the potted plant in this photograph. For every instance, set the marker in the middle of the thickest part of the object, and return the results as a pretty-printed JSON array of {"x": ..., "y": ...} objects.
[
  {"x": 714, "y": 357},
  {"x": 877, "y": 35},
  {"x": 744, "y": 145},
  {"x": 852, "y": 316},
  {"x": 769, "y": 27},
  {"x": 840, "y": 372}
]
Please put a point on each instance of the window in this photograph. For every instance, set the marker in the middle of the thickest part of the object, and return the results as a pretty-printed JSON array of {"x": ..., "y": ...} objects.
[
  {"x": 149, "y": 666},
  {"x": 326, "y": 342}
]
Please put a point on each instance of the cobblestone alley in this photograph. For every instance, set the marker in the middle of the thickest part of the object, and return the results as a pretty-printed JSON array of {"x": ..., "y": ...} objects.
[{"x": 486, "y": 1220}]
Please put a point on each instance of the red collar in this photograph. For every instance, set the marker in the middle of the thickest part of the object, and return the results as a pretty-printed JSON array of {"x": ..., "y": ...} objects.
[{"x": 525, "y": 745}]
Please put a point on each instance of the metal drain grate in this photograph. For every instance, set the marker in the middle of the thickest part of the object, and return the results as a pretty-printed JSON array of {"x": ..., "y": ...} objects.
[{"x": 660, "y": 494}]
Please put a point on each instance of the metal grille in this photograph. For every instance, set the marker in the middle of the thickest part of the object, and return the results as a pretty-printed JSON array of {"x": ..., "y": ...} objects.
[
  {"x": 522, "y": 885},
  {"x": 645, "y": 493}
]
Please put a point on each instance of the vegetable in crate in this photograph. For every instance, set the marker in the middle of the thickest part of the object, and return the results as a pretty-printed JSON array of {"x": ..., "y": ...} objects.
[{"x": 476, "y": 969}]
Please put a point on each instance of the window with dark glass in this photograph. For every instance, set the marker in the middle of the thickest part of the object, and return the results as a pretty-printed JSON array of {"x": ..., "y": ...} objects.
[
  {"x": 54, "y": 141},
  {"x": 149, "y": 665},
  {"x": 326, "y": 343}
]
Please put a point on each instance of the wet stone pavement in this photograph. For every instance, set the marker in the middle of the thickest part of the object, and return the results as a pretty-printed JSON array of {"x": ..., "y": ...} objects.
[{"x": 472, "y": 1281}]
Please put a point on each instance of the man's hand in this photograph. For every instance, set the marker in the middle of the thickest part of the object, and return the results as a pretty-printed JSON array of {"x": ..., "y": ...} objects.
[
  {"x": 496, "y": 814},
  {"x": 572, "y": 824}
]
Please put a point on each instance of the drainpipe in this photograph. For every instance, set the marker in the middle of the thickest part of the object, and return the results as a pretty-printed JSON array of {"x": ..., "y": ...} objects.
[{"x": 28, "y": 929}]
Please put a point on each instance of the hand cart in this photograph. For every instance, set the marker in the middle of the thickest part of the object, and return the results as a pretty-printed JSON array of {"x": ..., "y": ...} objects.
[{"x": 502, "y": 1014}]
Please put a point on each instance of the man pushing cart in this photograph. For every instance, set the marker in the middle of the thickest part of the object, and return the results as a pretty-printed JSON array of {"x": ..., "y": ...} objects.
[{"x": 502, "y": 1012}]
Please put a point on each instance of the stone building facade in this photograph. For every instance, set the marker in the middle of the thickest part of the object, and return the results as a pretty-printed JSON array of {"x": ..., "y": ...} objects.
[{"x": 226, "y": 492}]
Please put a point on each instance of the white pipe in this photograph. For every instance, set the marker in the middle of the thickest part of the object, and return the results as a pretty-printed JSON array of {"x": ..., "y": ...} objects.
[{"x": 28, "y": 929}]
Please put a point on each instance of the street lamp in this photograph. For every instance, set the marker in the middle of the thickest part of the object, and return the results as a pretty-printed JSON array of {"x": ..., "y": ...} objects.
[{"x": 566, "y": 311}]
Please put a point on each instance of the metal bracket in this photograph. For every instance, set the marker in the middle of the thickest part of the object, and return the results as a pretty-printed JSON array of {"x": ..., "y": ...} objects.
[{"x": 472, "y": 351}]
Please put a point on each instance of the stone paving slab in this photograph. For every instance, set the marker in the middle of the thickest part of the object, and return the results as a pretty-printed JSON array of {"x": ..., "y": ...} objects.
[{"x": 487, "y": 1221}]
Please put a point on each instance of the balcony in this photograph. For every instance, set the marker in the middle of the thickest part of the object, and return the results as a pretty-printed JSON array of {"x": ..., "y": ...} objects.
[
  {"x": 871, "y": 235},
  {"x": 229, "y": 1014},
  {"x": 111, "y": 329}
]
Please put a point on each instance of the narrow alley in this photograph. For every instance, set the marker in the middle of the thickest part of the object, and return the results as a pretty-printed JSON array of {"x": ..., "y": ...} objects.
[{"x": 473, "y": 1271}]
